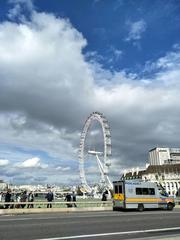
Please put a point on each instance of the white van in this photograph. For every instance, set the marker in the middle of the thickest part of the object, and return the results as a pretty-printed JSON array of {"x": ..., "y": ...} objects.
[{"x": 138, "y": 194}]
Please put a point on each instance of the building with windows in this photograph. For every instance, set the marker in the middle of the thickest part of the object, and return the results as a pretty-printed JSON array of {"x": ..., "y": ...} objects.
[
  {"x": 160, "y": 156},
  {"x": 163, "y": 168}
]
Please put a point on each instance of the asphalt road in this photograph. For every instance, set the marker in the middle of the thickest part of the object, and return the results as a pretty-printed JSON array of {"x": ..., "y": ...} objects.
[{"x": 91, "y": 225}]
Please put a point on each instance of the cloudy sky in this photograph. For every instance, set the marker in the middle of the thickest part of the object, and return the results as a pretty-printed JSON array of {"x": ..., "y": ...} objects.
[{"x": 62, "y": 60}]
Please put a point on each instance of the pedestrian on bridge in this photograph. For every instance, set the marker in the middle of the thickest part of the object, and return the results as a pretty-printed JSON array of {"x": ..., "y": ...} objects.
[
  {"x": 30, "y": 199},
  {"x": 74, "y": 199},
  {"x": 68, "y": 198},
  {"x": 50, "y": 198},
  {"x": 23, "y": 198},
  {"x": 8, "y": 198}
]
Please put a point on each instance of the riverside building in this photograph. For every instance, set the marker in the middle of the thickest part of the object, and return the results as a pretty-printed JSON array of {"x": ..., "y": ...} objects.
[
  {"x": 163, "y": 168},
  {"x": 161, "y": 156}
]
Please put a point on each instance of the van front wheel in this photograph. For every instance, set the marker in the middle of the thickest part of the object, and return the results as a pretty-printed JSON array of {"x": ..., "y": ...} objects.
[
  {"x": 170, "y": 206},
  {"x": 140, "y": 207}
]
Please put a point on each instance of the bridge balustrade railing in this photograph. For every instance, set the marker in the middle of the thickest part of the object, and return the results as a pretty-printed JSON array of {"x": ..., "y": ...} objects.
[{"x": 58, "y": 204}]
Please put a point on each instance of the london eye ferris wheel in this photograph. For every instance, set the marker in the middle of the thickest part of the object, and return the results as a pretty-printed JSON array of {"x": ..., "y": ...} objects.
[{"x": 102, "y": 157}]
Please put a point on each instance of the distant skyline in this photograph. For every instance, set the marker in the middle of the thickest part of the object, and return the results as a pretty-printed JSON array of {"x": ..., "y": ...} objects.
[{"x": 61, "y": 60}]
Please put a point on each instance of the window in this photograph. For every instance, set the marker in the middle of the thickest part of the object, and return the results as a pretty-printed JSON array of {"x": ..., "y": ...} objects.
[
  {"x": 145, "y": 191},
  {"x": 116, "y": 189},
  {"x": 138, "y": 191},
  {"x": 151, "y": 191},
  {"x": 120, "y": 188},
  {"x": 163, "y": 193}
]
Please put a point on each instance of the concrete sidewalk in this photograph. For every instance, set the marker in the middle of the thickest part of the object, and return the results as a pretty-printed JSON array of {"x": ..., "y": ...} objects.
[{"x": 52, "y": 210}]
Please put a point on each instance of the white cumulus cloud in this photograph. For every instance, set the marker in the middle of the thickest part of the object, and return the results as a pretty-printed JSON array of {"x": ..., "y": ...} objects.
[
  {"x": 32, "y": 163},
  {"x": 4, "y": 162}
]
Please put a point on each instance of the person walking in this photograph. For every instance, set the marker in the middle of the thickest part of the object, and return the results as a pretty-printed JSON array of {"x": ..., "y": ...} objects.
[
  {"x": 104, "y": 196},
  {"x": 23, "y": 198},
  {"x": 68, "y": 199},
  {"x": 30, "y": 199},
  {"x": 8, "y": 198},
  {"x": 50, "y": 198},
  {"x": 74, "y": 199},
  {"x": 18, "y": 199}
]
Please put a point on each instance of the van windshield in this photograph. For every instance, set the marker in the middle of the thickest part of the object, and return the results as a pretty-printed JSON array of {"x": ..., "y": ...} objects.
[{"x": 163, "y": 193}]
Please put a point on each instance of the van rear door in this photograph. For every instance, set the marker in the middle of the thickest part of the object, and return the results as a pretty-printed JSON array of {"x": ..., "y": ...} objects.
[{"x": 119, "y": 194}]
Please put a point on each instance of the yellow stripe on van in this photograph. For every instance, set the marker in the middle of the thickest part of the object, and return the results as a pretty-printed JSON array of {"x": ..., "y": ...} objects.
[
  {"x": 152, "y": 200},
  {"x": 155, "y": 200},
  {"x": 120, "y": 197}
]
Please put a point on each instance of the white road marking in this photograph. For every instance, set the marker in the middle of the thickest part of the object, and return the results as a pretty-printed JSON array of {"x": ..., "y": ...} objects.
[
  {"x": 164, "y": 237},
  {"x": 112, "y": 234}
]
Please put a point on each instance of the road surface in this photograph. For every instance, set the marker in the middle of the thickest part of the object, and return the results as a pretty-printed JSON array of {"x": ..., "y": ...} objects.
[{"x": 91, "y": 225}]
